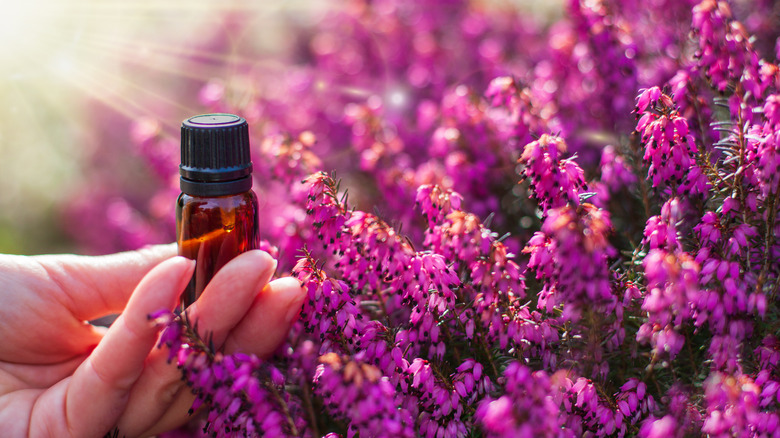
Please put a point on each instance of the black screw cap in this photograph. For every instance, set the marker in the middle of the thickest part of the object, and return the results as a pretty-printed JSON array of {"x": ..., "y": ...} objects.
[
  {"x": 214, "y": 148},
  {"x": 215, "y": 157}
]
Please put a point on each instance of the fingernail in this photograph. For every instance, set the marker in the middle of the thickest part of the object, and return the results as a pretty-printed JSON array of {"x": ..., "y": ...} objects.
[
  {"x": 262, "y": 258},
  {"x": 183, "y": 260}
]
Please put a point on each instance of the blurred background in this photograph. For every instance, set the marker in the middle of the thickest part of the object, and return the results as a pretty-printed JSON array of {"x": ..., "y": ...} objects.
[
  {"x": 80, "y": 78},
  {"x": 76, "y": 73}
]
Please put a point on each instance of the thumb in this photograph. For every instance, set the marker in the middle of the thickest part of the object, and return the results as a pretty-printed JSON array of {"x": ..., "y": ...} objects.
[{"x": 102, "y": 383}]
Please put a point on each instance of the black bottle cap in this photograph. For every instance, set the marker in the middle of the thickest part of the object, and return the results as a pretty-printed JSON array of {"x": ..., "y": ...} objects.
[{"x": 215, "y": 158}]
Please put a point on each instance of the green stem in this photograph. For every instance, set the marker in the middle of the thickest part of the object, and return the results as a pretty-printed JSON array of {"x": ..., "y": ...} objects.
[{"x": 285, "y": 409}]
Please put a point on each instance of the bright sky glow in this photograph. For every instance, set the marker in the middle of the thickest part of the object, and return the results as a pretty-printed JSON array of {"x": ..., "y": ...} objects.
[{"x": 60, "y": 57}]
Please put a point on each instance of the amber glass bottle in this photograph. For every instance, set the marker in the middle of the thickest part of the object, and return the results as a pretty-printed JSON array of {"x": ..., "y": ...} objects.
[{"x": 216, "y": 213}]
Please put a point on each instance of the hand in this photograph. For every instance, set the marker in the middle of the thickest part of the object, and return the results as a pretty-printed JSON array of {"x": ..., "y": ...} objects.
[{"x": 61, "y": 376}]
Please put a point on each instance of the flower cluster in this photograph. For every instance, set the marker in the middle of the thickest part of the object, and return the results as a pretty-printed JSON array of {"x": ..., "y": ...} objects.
[
  {"x": 615, "y": 172},
  {"x": 671, "y": 288},
  {"x": 588, "y": 411},
  {"x": 536, "y": 414},
  {"x": 733, "y": 408},
  {"x": 570, "y": 256},
  {"x": 245, "y": 395},
  {"x": 554, "y": 181},
  {"x": 765, "y": 148},
  {"x": 725, "y": 52},
  {"x": 508, "y": 252},
  {"x": 362, "y": 395},
  {"x": 669, "y": 148},
  {"x": 682, "y": 417},
  {"x": 672, "y": 282}
]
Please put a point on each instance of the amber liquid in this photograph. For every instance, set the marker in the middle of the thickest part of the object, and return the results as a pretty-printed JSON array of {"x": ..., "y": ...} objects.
[{"x": 212, "y": 231}]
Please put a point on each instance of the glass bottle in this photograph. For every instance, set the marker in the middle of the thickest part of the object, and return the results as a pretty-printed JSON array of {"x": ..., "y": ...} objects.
[{"x": 216, "y": 213}]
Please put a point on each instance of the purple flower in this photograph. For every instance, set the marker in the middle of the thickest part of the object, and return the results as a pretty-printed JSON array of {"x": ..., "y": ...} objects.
[
  {"x": 359, "y": 393},
  {"x": 528, "y": 407},
  {"x": 726, "y": 54},
  {"x": 444, "y": 299},
  {"x": 669, "y": 147},
  {"x": 571, "y": 255},
  {"x": 660, "y": 428},
  {"x": 672, "y": 277},
  {"x": 733, "y": 408},
  {"x": 615, "y": 172},
  {"x": 554, "y": 181},
  {"x": 244, "y": 394}
]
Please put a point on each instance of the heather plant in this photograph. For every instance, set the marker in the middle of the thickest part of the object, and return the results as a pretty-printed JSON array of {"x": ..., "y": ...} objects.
[{"x": 504, "y": 227}]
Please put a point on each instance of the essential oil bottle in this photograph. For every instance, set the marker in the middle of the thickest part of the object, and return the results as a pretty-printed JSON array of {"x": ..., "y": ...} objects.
[{"x": 216, "y": 213}]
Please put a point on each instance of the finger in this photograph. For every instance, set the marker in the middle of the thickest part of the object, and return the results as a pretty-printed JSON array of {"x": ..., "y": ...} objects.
[
  {"x": 268, "y": 322},
  {"x": 229, "y": 295},
  {"x": 222, "y": 306},
  {"x": 101, "y": 385},
  {"x": 15, "y": 411},
  {"x": 97, "y": 286},
  {"x": 260, "y": 332},
  {"x": 14, "y": 376}
]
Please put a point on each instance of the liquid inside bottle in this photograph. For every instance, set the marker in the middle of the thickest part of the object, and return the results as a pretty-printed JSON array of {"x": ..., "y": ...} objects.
[{"x": 212, "y": 231}]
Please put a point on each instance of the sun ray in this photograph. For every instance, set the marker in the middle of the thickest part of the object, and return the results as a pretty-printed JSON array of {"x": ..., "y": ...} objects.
[{"x": 63, "y": 58}]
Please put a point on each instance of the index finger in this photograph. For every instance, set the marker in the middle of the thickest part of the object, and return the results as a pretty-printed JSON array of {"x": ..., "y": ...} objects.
[{"x": 102, "y": 383}]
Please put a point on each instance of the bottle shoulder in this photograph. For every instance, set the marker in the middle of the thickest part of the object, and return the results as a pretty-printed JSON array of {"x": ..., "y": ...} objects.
[
  {"x": 229, "y": 201},
  {"x": 249, "y": 194}
]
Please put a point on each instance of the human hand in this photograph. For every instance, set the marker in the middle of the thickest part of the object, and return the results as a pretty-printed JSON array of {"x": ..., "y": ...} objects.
[{"x": 61, "y": 376}]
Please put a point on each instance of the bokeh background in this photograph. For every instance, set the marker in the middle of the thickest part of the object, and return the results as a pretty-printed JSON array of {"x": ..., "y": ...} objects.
[
  {"x": 76, "y": 73},
  {"x": 79, "y": 78}
]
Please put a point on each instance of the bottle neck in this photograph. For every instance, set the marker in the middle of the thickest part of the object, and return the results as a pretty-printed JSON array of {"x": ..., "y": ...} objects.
[{"x": 215, "y": 188}]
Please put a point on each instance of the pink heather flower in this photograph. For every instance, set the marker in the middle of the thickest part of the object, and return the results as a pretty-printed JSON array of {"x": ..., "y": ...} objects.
[
  {"x": 724, "y": 349},
  {"x": 585, "y": 411},
  {"x": 571, "y": 256},
  {"x": 615, "y": 173},
  {"x": 423, "y": 286},
  {"x": 683, "y": 417},
  {"x": 496, "y": 284},
  {"x": 634, "y": 404},
  {"x": 768, "y": 352},
  {"x": 661, "y": 428},
  {"x": 725, "y": 53},
  {"x": 290, "y": 159},
  {"x": 694, "y": 104},
  {"x": 244, "y": 394},
  {"x": 728, "y": 299},
  {"x": 502, "y": 91},
  {"x": 661, "y": 231},
  {"x": 463, "y": 237},
  {"x": 527, "y": 409},
  {"x": 765, "y": 141},
  {"x": 605, "y": 55},
  {"x": 672, "y": 283},
  {"x": 436, "y": 202},
  {"x": 553, "y": 181},
  {"x": 514, "y": 111},
  {"x": 359, "y": 394},
  {"x": 648, "y": 97},
  {"x": 709, "y": 228},
  {"x": 770, "y": 388},
  {"x": 732, "y": 403},
  {"x": 669, "y": 147}
]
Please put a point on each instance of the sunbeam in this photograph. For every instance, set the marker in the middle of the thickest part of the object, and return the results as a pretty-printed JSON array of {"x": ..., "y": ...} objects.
[{"x": 63, "y": 60}]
